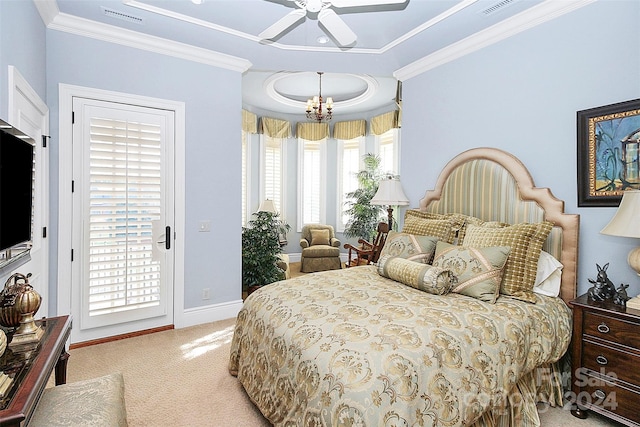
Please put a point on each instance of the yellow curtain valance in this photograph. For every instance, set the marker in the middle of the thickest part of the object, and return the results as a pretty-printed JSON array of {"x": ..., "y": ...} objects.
[
  {"x": 249, "y": 122},
  {"x": 349, "y": 130},
  {"x": 384, "y": 122},
  {"x": 275, "y": 128},
  {"x": 312, "y": 131}
]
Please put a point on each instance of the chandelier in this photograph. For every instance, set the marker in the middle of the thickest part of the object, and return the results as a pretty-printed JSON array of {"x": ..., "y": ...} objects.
[{"x": 315, "y": 106}]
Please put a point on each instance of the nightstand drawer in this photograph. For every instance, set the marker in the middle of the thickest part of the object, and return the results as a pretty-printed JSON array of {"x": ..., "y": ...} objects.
[
  {"x": 615, "y": 330},
  {"x": 611, "y": 362},
  {"x": 610, "y": 397}
]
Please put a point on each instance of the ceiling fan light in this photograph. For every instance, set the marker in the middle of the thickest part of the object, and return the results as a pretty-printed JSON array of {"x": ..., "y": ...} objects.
[{"x": 314, "y": 5}]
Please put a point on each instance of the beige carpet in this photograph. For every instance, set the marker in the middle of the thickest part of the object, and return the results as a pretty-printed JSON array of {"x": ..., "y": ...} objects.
[{"x": 180, "y": 378}]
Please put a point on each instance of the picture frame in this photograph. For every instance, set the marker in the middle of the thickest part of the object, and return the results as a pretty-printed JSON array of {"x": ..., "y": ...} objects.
[{"x": 608, "y": 153}]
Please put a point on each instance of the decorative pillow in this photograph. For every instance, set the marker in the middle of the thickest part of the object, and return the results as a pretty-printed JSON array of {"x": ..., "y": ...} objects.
[
  {"x": 443, "y": 226},
  {"x": 469, "y": 220},
  {"x": 479, "y": 270},
  {"x": 424, "y": 277},
  {"x": 548, "y": 275},
  {"x": 525, "y": 241},
  {"x": 319, "y": 237},
  {"x": 409, "y": 246}
]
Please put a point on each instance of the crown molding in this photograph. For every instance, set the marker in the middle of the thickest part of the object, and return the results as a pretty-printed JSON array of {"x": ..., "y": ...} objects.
[
  {"x": 54, "y": 20},
  {"x": 48, "y": 10},
  {"x": 544, "y": 12}
]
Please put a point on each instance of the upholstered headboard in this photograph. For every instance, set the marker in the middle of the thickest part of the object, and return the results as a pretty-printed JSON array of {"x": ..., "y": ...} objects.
[{"x": 493, "y": 185}]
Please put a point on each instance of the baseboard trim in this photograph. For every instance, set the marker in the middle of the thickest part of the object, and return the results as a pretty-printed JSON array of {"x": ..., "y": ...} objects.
[
  {"x": 209, "y": 313},
  {"x": 119, "y": 337}
]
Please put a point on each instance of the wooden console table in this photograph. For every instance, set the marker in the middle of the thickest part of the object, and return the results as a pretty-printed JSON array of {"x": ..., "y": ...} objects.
[{"x": 30, "y": 368}]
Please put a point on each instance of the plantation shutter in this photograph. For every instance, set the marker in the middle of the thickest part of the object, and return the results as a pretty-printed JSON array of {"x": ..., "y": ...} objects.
[
  {"x": 311, "y": 175},
  {"x": 273, "y": 171},
  {"x": 350, "y": 167},
  {"x": 245, "y": 159},
  {"x": 125, "y": 200}
]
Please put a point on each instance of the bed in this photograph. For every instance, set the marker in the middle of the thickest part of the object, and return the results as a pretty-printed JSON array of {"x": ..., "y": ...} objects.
[{"x": 393, "y": 345}]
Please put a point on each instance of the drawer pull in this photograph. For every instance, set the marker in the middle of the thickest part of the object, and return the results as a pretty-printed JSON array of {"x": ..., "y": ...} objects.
[
  {"x": 602, "y": 327},
  {"x": 601, "y": 360},
  {"x": 599, "y": 394}
]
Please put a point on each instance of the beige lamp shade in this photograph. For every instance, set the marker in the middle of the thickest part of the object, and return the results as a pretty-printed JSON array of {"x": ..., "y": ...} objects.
[
  {"x": 626, "y": 223},
  {"x": 267, "y": 206},
  {"x": 390, "y": 193}
]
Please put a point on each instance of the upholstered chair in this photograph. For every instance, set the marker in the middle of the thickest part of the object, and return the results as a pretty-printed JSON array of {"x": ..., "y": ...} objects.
[{"x": 320, "y": 249}]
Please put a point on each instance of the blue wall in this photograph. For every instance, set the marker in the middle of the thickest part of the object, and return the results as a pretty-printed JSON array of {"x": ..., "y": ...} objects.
[
  {"x": 23, "y": 45},
  {"x": 213, "y": 123},
  {"x": 522, "y": 95}
]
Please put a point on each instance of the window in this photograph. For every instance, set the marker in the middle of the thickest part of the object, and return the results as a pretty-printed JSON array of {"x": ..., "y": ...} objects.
[
  {"x": 245, "y": 178},
  {"x": 388, "y": 150},
  {"x": 311, "y": 187},
  {"x": 273, "y": 171},
  {"x": 350, "y": 153}
]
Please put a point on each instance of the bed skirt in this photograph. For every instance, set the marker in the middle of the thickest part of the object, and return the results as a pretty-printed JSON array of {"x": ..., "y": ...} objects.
[{"x": 543, "y": 384}]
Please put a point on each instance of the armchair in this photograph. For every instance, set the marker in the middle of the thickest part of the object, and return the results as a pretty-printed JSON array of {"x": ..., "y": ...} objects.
[
  {"x": 320, "y": 249},
  {"x": 367, "y": 252}
]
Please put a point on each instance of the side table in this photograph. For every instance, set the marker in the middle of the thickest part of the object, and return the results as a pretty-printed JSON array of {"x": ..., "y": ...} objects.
[
  {"x": 30, "y": 368},
  {"x": 605, "y": 358}
]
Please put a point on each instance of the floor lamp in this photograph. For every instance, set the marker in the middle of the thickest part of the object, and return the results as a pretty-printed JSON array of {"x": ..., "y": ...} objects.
[{"x": 390, "y": 194}]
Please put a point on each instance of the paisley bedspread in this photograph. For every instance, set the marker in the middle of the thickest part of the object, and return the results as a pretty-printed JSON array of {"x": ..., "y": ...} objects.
[{"x": 352, "y": 348}]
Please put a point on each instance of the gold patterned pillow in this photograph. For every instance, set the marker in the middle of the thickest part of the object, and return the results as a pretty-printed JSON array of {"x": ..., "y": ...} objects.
[
  {"x": 479, "y": 270},
  {"x": 468, "y": 220},
  {"x": 443, "y": 226},
  {"x": 409, "y": 246},
  {"x": 425, "y": 277},
  {"x": 525, "y": 241}
]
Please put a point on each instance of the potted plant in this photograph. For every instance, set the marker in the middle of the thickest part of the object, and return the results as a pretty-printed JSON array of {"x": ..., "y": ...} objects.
[
  {"x": 363, "y": 216},
  {"x": 260, "y": 249}
]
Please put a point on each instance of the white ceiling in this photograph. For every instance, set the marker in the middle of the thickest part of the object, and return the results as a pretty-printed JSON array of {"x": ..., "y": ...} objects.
[{"x": 393, "y": 41}]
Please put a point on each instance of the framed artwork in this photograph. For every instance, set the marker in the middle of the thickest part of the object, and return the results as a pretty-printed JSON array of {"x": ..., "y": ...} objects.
[{"x": 608, "y": 153}]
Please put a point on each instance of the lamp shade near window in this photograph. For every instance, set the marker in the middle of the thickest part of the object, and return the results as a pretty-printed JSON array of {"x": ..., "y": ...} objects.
[
  {"x": 626, "y": 223},
  {"x": 267, "y": 206},
  {"x": 390, "y": 193}
]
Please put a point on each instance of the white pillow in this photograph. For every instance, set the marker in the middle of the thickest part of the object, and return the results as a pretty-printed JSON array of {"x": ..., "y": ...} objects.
[{"x": 548, "y": 275}]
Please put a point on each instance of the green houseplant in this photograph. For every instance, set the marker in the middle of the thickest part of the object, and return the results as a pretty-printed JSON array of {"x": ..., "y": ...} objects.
[
  {"x": 260, "y": 249},
  {"x": 363, "y": 216}
]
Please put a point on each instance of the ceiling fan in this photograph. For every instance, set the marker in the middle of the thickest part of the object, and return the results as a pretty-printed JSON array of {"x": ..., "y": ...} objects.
[{"x": 332, "y": 23}]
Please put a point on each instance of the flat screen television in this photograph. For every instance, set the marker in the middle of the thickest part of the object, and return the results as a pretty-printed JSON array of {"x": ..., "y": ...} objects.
[{"x": 16, "y": 187}]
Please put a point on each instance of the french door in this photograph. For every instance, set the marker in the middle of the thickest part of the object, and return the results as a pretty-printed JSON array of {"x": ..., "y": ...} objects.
[{"x": 123, "y": 216}]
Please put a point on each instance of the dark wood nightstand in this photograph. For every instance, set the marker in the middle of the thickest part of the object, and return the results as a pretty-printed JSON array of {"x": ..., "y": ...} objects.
[{"x": 605, "y": 359}]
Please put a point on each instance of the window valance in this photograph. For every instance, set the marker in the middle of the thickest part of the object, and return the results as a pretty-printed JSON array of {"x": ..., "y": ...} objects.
[
  {"x": 249, "y": 122},
  {"x": 384, "y": 122},
  {"x": 312, "y": 131},
  {"x": 275, "y": 128},
  {"x": 349, "y": 130}
]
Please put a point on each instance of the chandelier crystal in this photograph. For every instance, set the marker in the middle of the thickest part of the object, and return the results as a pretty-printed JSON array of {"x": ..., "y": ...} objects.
[{"x": 315, "y": 106}]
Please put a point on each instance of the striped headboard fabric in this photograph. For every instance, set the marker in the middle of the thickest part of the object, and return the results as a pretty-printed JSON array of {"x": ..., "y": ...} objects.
[{"x": 494, "y": 185}]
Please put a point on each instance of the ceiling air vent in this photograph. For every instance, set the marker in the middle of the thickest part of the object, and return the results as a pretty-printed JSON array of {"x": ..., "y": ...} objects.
[
  {"x": 497, "y": 7},
  {"x": 121, "y": 15}
]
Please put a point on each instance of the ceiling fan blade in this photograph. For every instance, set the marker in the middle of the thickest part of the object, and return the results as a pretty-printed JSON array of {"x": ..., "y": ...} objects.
[
  {"x": 336, "y": 27},
  {"x": 283, "y": 24},
  {"x": 359, "y": 3}
]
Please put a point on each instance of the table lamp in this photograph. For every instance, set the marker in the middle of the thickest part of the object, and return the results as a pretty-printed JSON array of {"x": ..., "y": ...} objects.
[
  {"x": 390, "y": 193},
  {"x": 626, "y": 223},
  {"x": 267, "y": 205}
]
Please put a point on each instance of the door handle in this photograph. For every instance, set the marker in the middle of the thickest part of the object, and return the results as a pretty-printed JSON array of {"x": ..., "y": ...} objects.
[{"x": 167, "y": 237}]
